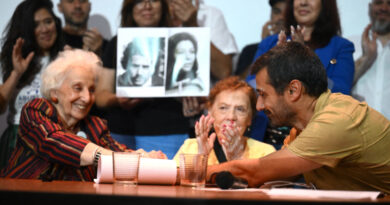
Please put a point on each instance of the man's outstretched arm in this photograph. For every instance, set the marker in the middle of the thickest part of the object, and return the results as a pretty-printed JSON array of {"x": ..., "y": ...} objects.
[{"x": 275, "y": 166}]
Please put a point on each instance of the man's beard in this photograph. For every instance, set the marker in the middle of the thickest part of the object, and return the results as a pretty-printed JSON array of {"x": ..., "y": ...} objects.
[
  {"x": 76, "y": 24},
  {"x": 381, "y": 27},
  {"x": 282, "y": 116}
]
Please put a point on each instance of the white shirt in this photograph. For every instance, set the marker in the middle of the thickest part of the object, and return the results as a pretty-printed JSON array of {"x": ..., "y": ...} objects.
[
  {"x": 220, "y": 35},
  {"x": 374, "y": 85},
  {"x": 27, "y": 93}
]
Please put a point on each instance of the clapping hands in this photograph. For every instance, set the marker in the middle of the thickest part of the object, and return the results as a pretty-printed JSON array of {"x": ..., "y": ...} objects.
[
  {"x": 297, "y": 35},
  {"x": 229, "y": 135},
  {"x": 202, "y": 129},
  {"x": 232, "y": 141}
]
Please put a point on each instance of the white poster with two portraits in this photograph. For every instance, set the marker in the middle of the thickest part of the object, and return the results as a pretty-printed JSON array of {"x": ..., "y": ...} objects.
[{"x": 163, "y": 62}]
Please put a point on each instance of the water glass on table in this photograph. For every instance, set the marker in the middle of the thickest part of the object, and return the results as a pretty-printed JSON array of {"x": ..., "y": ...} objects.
[
  {"x": 126, "y": 167},
  {"x": 193, "y": 169}
]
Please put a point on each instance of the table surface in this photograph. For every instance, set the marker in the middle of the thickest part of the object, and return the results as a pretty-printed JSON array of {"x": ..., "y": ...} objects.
[{"x": 28, "y": 189}]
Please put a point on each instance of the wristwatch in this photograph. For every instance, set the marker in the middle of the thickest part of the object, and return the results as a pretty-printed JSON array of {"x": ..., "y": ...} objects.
[{"x": 97, "y": 157}]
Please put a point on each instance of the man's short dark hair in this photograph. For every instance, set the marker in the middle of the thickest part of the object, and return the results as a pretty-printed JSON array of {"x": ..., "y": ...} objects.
[
  {"x": 290, "y": 61},
  {"x": 273, "y": 2}
]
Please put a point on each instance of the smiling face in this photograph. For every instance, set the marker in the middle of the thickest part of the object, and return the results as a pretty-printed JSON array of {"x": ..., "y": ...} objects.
[
  {"x": 273, "y": 104},
  {"x": 75, "y": 12},
  {"x": 45, "y": 30},
  {"x": 147, "y": 13},
  {"x": 306, "y": 12},
  {"x": 380, "y": 16},
  {"x": 75, "y": 95},
  {"x": 140, "y": 70},
  {"x": 231, "y": 107},
  {"x": 185, "y": 53}
]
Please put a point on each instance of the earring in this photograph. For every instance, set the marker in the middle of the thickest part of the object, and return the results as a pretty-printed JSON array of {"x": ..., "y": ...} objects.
[{"x": 54, "y": 99}]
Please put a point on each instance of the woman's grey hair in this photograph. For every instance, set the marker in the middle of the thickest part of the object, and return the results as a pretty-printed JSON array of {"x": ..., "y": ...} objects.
[{"x": 55, "y": 73}]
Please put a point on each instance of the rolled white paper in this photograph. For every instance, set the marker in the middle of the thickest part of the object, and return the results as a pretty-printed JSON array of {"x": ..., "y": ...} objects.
[
  {"x": 157, "y": 171},
  {"x": 105, "y": 172},
  {"x": 151, "y": 171}
]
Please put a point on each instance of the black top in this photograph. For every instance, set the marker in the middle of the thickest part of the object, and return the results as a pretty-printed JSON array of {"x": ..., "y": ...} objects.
[
  {"x": 246, "y": 58},
  {"x": 152, "y": 116}
]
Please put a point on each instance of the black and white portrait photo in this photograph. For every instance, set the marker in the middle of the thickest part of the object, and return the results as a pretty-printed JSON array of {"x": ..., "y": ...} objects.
[
  {"x": 140, "y": 60},
  {"x": 188, "y": 67},
  {"x": 182, "y": 68},
  {"x": 163, "y": 62}
]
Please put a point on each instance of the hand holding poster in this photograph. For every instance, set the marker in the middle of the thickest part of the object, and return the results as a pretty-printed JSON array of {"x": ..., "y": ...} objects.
[{"x": 163, "y": 62}]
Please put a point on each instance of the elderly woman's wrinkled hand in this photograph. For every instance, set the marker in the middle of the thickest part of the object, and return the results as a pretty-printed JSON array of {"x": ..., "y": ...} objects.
[
  {"x": 202, "y": 129},
  {"x": 152, "y": 154},
  {"x": 233, "y": 142}
]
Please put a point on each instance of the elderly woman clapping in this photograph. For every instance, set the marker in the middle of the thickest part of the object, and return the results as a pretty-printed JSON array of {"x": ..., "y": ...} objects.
[
  {"x": 57, "y": 138},
  {"x": 231, "y": 105}
]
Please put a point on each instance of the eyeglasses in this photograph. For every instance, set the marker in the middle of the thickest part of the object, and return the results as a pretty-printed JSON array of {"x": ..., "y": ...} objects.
[
  {"x": 141, "y": 3},
  {"x": 287, "y": 184}
]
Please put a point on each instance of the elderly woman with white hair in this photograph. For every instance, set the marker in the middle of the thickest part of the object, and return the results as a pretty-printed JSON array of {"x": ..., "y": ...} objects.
[{"x": 57, "y": 139}]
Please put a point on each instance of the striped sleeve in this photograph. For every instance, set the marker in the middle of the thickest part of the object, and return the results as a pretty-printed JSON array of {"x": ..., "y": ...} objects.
[
  {"x": 99, "y": 132},
  {"x": 41, "y": 130}
]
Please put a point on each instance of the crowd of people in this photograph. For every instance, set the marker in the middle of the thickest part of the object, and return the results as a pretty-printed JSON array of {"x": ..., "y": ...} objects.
[{"x": 300, "y": 82}]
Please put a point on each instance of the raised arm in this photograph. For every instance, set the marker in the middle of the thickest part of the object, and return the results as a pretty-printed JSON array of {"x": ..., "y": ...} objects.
[
  {"x": 20, "y": 65},
  {"x": 369, "y": 48},
  {"x": 186, "y": 12},
  {"x": 275, "y": 166}
]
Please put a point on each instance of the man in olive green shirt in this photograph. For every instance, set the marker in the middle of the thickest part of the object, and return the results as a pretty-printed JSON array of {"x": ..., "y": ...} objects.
[{"x": 342, "y": 143}]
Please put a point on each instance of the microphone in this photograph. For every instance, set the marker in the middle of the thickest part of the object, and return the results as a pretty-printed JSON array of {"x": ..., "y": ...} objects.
[{"x": 226, "y": 180}]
